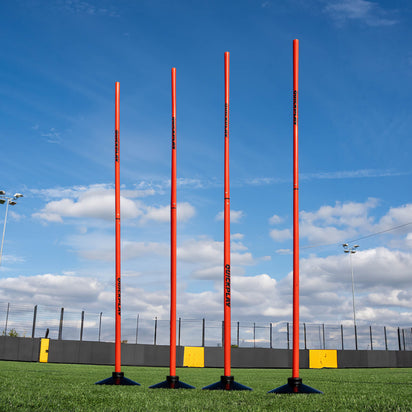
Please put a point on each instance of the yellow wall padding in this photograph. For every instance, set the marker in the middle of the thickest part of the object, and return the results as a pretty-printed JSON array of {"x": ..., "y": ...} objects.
[
  {"x": 323, "y": 359},
  {"x": 44, "y": 350},
  {"x": 194, "y": 357}
]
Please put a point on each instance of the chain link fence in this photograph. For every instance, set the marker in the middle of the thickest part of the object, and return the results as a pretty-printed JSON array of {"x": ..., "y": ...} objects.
[{"x": 68, "y": 324}]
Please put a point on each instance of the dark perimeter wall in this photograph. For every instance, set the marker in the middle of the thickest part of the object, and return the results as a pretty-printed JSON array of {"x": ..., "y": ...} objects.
[{"x": 102, "y": 353}]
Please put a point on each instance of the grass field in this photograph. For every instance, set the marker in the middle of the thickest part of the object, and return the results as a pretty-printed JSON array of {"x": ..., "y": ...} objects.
[{"x": 35, "y": 386}]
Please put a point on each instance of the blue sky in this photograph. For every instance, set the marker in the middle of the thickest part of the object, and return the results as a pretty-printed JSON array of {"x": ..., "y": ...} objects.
[{"x": 59, "y": 63}]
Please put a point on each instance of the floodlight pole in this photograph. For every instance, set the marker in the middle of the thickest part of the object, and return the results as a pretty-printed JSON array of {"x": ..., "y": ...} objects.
[
  {"x": 172, "y": 381},
  {"x": 9, "y": 201},
  {"x": 117, "y": 377},
  {"x": 295, "y": 384},
  {"x": 227, "y": 381},
  {"x": 4, "y": 230}
]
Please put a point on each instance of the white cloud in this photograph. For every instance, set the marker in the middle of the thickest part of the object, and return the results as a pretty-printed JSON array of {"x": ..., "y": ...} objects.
[
  {"x": 373, "y": 269},
  {"x": 96, "y": 202},
  {"x": 316, "y": 234},
  {"x": 396, "y": 297},
  {"x": 185, "y": 211},
  {"x": 396, "y": 216},
  {"x": 235, "y": 216},
  {"x": 50, "y": 289},
  {"x": 83, "y": 7},
  {"x": 10, "y": 259},
  {"x": 284, "y": 251},
  {"x": 275, "y": 219},
  {"x": 237, "y": 236},
  {"x": 237, "y": 247},
  {"x": 132, "y": 250},
  {"x": 349, "y": 220},
  {"x": 158, "y": 214},
  {"x": 279, "y": 235},
  {"x": 409, "y": 240},
  {"x": 382, "y": 289},
  {"x": 216, "y": 272},
  {"x": 209, "y": 273},
  {"x": 16, "y": 216},
  {"x": 203, "y": 251},
  {"x": 361, "y": 10},
  {"x": 347, "y": 213},
  {"x": 210, "y": 252}
]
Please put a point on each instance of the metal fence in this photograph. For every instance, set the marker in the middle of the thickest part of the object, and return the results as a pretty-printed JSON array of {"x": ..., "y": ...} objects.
[{"x": 69, "y": 324}]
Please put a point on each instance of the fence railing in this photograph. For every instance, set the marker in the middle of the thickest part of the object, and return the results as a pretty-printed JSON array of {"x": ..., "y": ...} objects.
[{"x": 69, "y": 324}]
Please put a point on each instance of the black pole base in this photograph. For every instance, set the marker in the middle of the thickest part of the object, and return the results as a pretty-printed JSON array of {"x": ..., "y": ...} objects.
[
  {"x": 294, "y": 385},
  {"x": 171, "y": 382},
  {"x": 227, "y": 383},
  {"x": 117, "y": 378}
]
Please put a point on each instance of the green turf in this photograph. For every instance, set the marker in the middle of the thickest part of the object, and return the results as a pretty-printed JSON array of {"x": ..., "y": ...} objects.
[{"x": 35, "y": 386}]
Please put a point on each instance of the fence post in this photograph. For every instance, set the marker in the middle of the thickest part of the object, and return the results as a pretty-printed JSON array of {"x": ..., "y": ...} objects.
[
  {"x": 323, "y": 335},
  {"x": 403, "y": 338},
  {"x": 287, "y": 333},
  {"x": 370, "y": 334},
  {"x": 399, "y": 339},
  {"x": 61, "y": 324},
  {"x": 270, "y": 331},
  {"x": 81, "y": 326},
  {"x": 356, "y": 338},
  {"x": 203, "y": 332},
  {"x": 304, "y": 334},
  {"x": 137, "y": 326},
  {"x": 7, "y": 319},
  {"x": 100, "y": 324},
  {"x": 254, "y": 334},
  {"x": 33, "y": 330},
  {"x": 223, "y": 333},
  {"x": 155, "y": 331},
  {"x": 386, "y": 339},
  {"x": 180, "y": 328},
  {"x": 341, "y": 335},
  {"x": 237, "y": 334}
]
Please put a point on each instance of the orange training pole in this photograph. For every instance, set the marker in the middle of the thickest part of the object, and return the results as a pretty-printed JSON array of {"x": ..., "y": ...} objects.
[
  {"x": 117, "y": 376},
  {"x": 295, "y": 350},
  {"x": 227, "y": 381},
  {"x": 172, "y": 381},
  {"x": 226, "y": 264},
  {"x": 173, "y": 235},
  {"x": 118, "y": 326},
  {"x": 295, "y": 384}
]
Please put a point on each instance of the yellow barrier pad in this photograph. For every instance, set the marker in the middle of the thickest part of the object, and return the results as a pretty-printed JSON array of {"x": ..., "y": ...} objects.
[
  {"x": 323, "y": 359},
  {"x": 194, "y": 357},
  {"x": 44, "y": 350}
]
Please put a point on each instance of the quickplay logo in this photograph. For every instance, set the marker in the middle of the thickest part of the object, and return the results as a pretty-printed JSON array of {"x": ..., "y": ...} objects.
[
  {"x": 226, "y": 120},
  {"x": 295, "y": 107},
  {"x": 173, "y": 133},
  {"x": 227, "y": 285},
  {"x": 116, "y": 145},
  {"x": 118, "y": 300}
]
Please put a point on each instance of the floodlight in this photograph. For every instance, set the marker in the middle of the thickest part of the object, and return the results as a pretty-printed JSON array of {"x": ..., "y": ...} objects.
[
  {"x": 17, "y": 195},
  {"x": 12, "y": 202},
  {"x": 2, "y": 201},
  {"x": 2, "y": 192}
]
